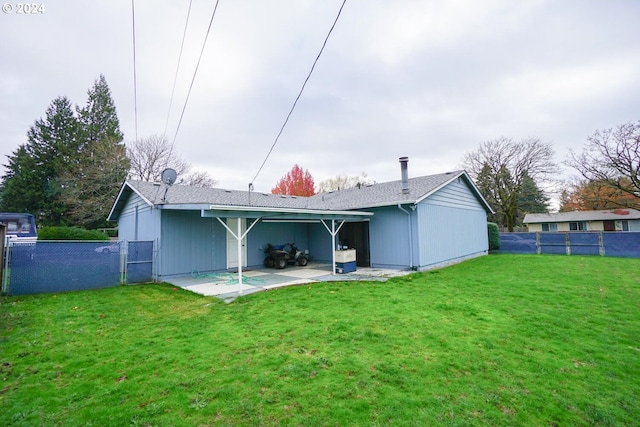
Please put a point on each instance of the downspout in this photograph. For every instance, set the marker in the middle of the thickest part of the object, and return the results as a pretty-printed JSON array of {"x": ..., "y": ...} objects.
[{"x": 410, "y": 235}]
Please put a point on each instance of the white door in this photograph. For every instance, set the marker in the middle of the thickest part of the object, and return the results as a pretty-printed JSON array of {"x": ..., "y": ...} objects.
[{"x": 232, "y": 243}]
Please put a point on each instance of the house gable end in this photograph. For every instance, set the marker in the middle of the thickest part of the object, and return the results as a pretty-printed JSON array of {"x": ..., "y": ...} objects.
[{"x": 122, "y": 199}]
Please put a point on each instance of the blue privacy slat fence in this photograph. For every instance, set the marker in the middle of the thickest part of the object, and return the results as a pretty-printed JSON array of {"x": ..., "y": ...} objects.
[
  {"x": 615, "y": 244},
  {"x": 47, "y": 266}
]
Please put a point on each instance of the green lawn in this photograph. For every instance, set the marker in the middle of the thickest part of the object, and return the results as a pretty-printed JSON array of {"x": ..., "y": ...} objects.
[{"x": 501, "y": 340}]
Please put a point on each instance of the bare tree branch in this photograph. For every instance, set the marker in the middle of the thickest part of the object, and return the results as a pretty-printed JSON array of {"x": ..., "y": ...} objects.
[
  {"x": 150, "y": 156},
  {"x": 612, "y": 158},
  {"x": 504, "y": 164}
]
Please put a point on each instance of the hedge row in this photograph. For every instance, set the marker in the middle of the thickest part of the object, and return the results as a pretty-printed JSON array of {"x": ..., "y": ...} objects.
[{"x": 70, "y": 233}]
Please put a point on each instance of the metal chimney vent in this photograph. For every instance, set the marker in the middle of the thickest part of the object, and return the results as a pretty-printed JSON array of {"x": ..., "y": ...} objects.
[{"x": 405, "y": 174}]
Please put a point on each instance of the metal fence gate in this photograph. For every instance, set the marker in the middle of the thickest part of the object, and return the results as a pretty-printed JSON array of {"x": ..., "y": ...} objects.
[
  {"x": 139, "y": 265},
  {"x": 59, "y": 266}
]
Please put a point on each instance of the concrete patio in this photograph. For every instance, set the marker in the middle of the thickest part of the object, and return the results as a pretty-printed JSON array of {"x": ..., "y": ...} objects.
[{"x": 225, "y": 285}]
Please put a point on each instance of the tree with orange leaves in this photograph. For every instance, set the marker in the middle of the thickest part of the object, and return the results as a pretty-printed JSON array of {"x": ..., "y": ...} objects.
[
  {"x": 584, "y": 195},
  {"x": 296, "y": 182}
]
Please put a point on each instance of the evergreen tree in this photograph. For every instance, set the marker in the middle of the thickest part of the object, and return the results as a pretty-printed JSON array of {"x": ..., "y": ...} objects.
[
  {"x": 30, "y": 184},
  {"x": 92, "y": 183},
  {"x": 487, "y": 185},
  {"x": 531, "y": 199},
  {"x": 71, "y": 168},
  {"x": 19, "y": 190},
  {"x": 98, "y": 118}
]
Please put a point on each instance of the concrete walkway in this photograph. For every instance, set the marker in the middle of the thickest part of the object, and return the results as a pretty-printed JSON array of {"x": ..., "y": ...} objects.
[{"x": 226, "y": 287}]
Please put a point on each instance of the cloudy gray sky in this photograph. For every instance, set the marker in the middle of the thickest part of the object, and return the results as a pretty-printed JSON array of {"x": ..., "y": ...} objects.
[{"x": 430, "y": 80}]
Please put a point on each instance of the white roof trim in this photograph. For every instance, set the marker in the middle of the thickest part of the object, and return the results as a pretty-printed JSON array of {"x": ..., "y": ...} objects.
[
  {"x": 288, "y": 210},
  {"x": 126, "y": 184}
]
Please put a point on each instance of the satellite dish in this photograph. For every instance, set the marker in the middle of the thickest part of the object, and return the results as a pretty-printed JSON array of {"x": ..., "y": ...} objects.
[{"x": 169, "y": 176}]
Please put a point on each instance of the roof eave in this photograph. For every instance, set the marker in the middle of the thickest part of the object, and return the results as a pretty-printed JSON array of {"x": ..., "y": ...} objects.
[
  {"x": 280, "y": 211},
  {"x": 120, "y": 202}
]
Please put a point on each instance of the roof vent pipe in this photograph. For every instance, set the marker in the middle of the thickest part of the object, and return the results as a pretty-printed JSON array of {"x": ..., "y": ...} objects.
[{"x": 405, "y": 174}]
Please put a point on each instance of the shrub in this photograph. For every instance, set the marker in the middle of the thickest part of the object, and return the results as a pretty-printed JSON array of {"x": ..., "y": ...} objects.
[
  {"x": 70, "y": 233},
  {"x": 494, "y": 236}
]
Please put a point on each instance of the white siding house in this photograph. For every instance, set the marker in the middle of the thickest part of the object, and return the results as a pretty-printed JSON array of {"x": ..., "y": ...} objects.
[{"x": 598, "y": 220}]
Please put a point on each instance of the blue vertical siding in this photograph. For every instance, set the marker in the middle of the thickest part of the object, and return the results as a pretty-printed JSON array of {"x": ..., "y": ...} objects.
[
  {"x": 389, "y": 238},
  {"x": 452, "y": 225},
  {"x": 320, "y": 248},
  {"x": 148, "y": 222},
  {"x": 447, "y": 227},
  {"x": 190, "y": 242}
]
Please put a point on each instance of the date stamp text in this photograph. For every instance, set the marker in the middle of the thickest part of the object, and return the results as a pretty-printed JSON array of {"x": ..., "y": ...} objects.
[{"x": 24, "y": 8}]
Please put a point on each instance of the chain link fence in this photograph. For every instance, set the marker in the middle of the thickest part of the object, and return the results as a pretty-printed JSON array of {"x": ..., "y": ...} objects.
[{"x": 51, "y": 266}]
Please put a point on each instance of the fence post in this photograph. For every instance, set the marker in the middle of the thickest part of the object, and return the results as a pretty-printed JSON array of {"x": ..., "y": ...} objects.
[
  {"x": 538, "y": 249},
  {"x": 155, "y": 268},
  {"x": 124, "y": 250},
  {"x": 601, "y": 243},
  {"x": 5, "y": 272},
  {"x": 567, "y": 242}
]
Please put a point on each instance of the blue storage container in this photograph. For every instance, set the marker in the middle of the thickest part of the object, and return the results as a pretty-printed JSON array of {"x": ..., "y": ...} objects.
[{"x": 345, "y": 267}]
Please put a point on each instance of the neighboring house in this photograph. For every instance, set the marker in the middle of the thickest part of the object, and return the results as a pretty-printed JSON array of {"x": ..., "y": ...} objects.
[
  {"x": 602, "y": 220},
  {"x": 418, "y": 223}
]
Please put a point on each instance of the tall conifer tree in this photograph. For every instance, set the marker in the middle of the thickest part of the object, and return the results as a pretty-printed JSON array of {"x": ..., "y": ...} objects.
[
  {"x": 93, "y": 182},
  {"x": 31, "y": 182}
]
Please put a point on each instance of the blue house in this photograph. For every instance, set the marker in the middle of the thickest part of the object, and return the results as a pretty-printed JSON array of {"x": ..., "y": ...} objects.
[{"x": 413, "y": 223}]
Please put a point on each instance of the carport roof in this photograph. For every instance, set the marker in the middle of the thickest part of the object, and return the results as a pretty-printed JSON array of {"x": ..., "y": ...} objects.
[
  {"x": 226, "y": 203},
  {"x": 329, "y": 204}
]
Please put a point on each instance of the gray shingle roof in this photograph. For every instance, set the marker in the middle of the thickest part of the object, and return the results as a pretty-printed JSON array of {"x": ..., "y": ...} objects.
[
  {"x": 383, "y": 194},
  {"x": 188, "y": 195},
  {"x": 601, "y": 215},
  {"x": 367, "y": 196}
]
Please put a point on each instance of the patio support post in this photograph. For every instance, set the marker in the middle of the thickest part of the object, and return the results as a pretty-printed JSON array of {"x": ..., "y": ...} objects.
[
  {"x": 239, "y": 237},
  {"x": 333, "y": 248},
  {"x": 333, "y": 233}
]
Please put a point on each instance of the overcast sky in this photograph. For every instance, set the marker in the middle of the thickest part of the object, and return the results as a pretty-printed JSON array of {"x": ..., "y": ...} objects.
[{"x": 430, "y": 80}]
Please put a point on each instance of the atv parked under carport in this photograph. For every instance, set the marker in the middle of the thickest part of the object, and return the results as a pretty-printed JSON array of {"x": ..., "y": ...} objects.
[{"x": 280, "y": 255}]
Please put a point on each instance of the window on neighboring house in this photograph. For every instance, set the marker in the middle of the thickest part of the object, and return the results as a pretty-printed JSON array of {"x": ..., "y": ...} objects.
[
  {"x": 549, "y": 227},
  {"x": 625, "y": 225},
  {"x": 578, "y": 226}
]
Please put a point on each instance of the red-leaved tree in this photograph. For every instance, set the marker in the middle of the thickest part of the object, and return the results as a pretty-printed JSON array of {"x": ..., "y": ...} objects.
[{"x": 297, "y": 182}]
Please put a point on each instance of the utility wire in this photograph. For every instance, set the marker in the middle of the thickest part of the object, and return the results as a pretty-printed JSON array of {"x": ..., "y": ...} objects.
[
  {"x": 299, "y": 95},
  {"x": 135, "y": 83},
  {"x": 184, "y": 107},
  {"x": 175, "y": 79}
]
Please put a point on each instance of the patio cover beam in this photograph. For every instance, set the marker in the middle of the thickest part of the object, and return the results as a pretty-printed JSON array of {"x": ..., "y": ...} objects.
[{"x": 281, "y": 214}]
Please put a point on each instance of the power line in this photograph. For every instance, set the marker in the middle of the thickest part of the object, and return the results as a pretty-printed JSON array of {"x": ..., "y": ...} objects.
[
  {"x": 184, "y": 107},
  {"x": 175, "y": 79},
  {"x": 135, "y": 83},
  {"x": 299, "y": 95}
]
